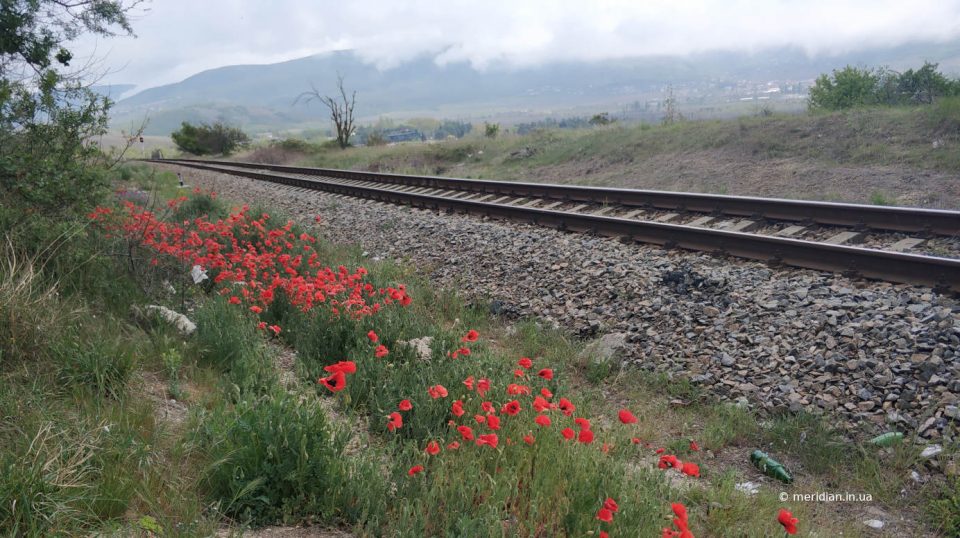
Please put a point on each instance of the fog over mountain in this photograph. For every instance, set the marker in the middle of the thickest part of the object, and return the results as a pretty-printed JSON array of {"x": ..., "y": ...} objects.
[{"x": 261, "y": 97}]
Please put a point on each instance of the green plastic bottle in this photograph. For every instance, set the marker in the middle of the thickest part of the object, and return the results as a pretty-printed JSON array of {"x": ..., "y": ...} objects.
[
  {"x": 887, "y": 439},
  {"x": 770, "y": 466}
]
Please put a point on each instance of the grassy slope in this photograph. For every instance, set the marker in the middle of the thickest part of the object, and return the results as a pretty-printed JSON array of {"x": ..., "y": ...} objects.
[
  {"x": 105, "y": 455},
  {"x": 905, "y": 155}
]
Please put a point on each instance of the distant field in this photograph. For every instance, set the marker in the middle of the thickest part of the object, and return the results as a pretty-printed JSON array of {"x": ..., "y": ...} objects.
[
  {"x": 137, "y": 150},
  {"x": 903, "y": 156}
]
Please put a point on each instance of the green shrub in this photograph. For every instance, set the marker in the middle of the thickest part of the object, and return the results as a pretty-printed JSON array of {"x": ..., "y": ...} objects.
[
  {"x": 227, "y": 339},
  {"x": 274, "y": 459},
  {"x": 101, "y": 365},
  {"x": 945, "y": 510}
]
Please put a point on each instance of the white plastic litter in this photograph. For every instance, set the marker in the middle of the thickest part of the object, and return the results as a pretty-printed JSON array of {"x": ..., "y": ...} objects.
[
  {"x": 749, "y": 488},
  {"x": 199, "y": 274}
]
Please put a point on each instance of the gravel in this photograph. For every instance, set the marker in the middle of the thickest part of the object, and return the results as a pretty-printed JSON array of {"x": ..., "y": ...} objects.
[{"x": 875, "y": 355}]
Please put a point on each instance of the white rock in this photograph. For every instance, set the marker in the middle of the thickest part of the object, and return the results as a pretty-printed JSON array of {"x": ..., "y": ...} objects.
[
  {"x": 874, "y": 523},
  {"x": 421, "y": 346},
  {"x": 931, "y": 451},
  {"x": 750, "y": 488},
  {"x": 181, "y": 322}
]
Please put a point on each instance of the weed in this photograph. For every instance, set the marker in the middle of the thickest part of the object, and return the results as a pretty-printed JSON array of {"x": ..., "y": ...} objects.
[{"x": 274, "y": 459}]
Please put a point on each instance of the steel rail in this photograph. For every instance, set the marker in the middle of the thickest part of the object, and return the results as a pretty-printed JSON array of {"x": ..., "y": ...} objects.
[
  {"x": 860, "y": 216},
  {"x": 939, "y": 273}
]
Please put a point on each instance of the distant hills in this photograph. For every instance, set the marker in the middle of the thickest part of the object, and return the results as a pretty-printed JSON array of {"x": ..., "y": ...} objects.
[{"x": 261, "y": 97}]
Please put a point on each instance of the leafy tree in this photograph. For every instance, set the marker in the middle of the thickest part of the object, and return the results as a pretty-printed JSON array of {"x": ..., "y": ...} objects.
[
  {"x": 925, "y": 84},
  {"x": 48, "y": 117},
  {"x": 457, "y": 129},
  {"x": 601, "y": 119},
  {"x": 491, "y": 130},
  {"x": 845, "y": 88},
  {"x": 205, "y": 139}
]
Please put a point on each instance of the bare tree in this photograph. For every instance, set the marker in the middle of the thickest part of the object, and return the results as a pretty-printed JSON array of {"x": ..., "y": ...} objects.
[{"x": 341, "y": 109}]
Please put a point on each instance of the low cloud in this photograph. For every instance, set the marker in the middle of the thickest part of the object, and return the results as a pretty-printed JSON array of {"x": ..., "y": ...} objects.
[{"x": 178, "y": 38}]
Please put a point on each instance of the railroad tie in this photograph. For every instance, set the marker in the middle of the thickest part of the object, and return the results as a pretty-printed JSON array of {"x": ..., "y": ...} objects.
[
  {"x": 845, "y": 238},
  {"x": 907, "y": 243},
  {"x": 633, "y": 214},
  {"x": 518, "y": 201},
  {"x": 667, "y": 217},
  {"x": 552, "y": 205},
  {"x": 791, "y": 231},
  {"x": 744, "y": 226},
  {"x": 701, "y": 221},
  {"x": 500, "y": 200},
  {"x": 605, "y": 210},
  {"x": 532, "y": 203},
  {"x": 577, "y": 208}
]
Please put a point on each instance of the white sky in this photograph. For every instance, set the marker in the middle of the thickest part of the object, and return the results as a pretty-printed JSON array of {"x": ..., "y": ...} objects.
[{"x": 178, "y": 38}]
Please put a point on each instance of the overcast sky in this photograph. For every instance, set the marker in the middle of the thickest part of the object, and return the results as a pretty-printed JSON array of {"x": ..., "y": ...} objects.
[{"x": 178, "y": 38}]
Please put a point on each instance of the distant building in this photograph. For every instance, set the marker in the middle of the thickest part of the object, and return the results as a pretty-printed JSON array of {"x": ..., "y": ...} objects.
[{"x": 403, "y": 134}]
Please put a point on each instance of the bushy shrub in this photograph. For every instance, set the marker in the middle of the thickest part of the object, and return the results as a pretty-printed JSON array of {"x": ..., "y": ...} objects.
[
  {"x": 96, "y": 363},
  {"x": 274, "y": 459},
  {"x": 205, "y": 139}
]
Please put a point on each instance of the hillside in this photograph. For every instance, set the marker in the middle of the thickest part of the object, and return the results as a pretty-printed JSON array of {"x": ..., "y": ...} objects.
[
  {"x": 261, "y": 97},
  {"x": 904, "y": 156}
]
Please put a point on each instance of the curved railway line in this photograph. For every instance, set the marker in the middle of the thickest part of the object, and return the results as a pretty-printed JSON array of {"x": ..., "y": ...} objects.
[{"x": 813, "y": 235}]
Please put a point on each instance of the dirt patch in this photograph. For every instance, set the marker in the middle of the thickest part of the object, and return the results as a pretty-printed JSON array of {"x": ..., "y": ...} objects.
[
  {"x": 166, "y": 410},
  {"x": 285, "y": 532}
]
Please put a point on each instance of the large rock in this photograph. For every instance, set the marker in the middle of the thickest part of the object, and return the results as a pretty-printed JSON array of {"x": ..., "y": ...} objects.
[
  {"x": 608, "y": 349},
  {"x": 178, "y": 320}
]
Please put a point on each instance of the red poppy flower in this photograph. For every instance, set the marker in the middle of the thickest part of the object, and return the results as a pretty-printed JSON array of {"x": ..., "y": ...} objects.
[
  {"x": 234, "y": 300},
  {"x": 262, "y": 325},
  {"x": 542, "y": 420},
  {"x": 546, "y": 393},
  {"x": 611, "y": 505},
  {"x": 493, "y": 422},
  {"x": 690, "y": 468},
  {"x": 395, "y": 421},
  {"x": 275, "y": 329},
  {"x": 669, "y": 460},
  {"x": 519, "y": 373},
  {"x": 568, "y": 433},
  {"x": 529, "y": 439},
  {"x": 336, "y": 381},
  {"x": 453, "y": 445},
  {"x": 462, "y": 351},
  {"x": 659, "y": 451},
  {"x": 347, "y": 367},
  {"x": 466, "y": 432},
  {"x": 511, "y": 408},
  {"x": 373, "y": 337},
  {"x": 457, "y": 408},
  {"x": 546, "y": 373},
  {"x": 437, "y": 391},
  {"x": 540, "y": 405},
  {"x": 489, "y": 439},
  {"x": 468, "y": 382},
  {"x": 788, "y": 521},
  {"x": 415, "y": 469},
  {"x": 381, "y": 351},
  {"x": 585, "y": 437},
  {"x": 433, "y": 448},
  {"x": 582, "y": 423},
  {"x": 525, "y": 363},
  {"x": 605, "y": 515},
  {"x": 603, "y": 534},
  {"x": 405, "y": 405},
  {"x": 627, "y": 417},
  {"x": 635, "y": 440},
  {"x": 487, "y": 407},
  {"x": 256, "y": 309},
  {"x": 694, "y": 446},
  {"x": 471, "y": 336},
  {"x": 566, "y": 407},
  {"x": 483, "y": 386},
  {"x": 680, "y": 511}
]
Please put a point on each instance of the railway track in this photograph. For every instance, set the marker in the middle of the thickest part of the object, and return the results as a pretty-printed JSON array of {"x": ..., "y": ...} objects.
[{"x": 885, "y": 243}]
